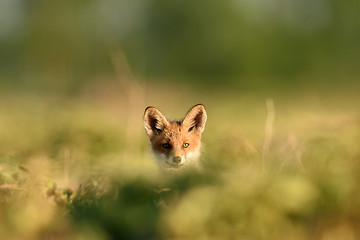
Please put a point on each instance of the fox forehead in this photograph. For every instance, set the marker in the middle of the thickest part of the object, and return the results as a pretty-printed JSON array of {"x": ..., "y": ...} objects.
[{"x": 175, "y": 132}]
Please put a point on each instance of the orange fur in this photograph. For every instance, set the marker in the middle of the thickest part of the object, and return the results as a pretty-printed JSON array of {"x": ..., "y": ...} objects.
[{"x": 175, "y": 143}]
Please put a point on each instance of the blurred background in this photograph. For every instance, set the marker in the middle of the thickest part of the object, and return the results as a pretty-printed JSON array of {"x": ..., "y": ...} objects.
[
  {"x": 63, "y": 46},
  {"x": 279, "y": 78}
]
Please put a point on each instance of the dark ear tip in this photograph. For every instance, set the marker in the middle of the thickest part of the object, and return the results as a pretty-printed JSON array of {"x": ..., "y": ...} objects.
[
  {"x": 148, "y": 108},
  {"x": 199, "y": 105}
]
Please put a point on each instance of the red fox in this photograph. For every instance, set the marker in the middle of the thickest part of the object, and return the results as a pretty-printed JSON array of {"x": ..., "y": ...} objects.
[{"x": 175, "y": 143}]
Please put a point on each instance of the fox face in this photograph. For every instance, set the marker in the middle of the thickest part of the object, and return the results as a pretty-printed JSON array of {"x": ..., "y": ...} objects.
[{"x": 175, "y": 143}]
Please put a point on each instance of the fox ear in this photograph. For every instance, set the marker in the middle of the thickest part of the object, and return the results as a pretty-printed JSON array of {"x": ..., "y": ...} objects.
[
  {"x": 195, "y": 119},
  {"x": 154, "y": 121}
]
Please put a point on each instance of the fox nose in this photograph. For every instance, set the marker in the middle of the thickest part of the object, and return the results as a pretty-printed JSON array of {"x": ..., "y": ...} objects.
[{"x": 177, "y": 160}]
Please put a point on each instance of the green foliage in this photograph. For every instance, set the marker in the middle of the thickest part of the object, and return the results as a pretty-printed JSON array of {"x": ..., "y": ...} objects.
[
  {"x": 256, "y": 44},
  {"x": 80, "y": 172},
  {"x": 76, "y": 164}
]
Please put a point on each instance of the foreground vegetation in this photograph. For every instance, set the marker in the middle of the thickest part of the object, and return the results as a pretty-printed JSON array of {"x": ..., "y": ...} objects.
[{"x": 80, "y": 168}]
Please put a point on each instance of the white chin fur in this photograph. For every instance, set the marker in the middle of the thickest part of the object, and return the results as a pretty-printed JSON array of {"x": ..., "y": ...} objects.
[{"x": 167, "y": 162}]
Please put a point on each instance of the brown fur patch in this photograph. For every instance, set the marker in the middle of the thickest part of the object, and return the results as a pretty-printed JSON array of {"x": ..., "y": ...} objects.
[
  {"x": 171, "y": 139},
  {"x": 175, "y": 135}
]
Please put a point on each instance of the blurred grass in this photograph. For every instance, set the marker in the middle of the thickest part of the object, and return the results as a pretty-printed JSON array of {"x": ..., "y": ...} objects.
[
  {"x": 281, "y": 147},
  {"x": 81, "y": 168}
]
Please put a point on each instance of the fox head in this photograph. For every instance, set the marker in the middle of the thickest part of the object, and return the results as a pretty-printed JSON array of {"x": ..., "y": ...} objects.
[{"x": 175, "y": 143}]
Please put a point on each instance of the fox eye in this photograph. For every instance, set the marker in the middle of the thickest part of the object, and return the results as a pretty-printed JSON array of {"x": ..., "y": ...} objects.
[
  {"x": 166, "y": 145},
  {"x": 185, "y": 145}
]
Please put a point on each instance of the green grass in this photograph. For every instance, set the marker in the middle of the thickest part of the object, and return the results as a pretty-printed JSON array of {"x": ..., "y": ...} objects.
[{"x": 81, "y": 168}]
